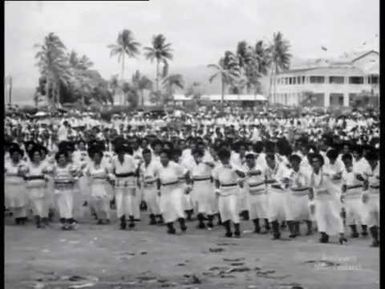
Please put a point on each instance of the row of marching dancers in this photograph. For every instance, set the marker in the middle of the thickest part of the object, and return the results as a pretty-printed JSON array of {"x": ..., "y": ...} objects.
[{"x": 271, "y": 189}]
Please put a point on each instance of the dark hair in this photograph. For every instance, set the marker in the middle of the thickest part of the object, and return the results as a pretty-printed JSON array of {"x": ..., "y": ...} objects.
[
  {"x": 295, "y": 158},
  {"x": 197, "y": 151},
  {"x": 146, "y": 151},
  {"x": 332, "y": 154},
  {"x": 156, "y": 142},
  {"x": 224, "y": 153},
  {"x": 258, "y": 147},
  {"x": 358, "y": 149},
  {"x": 250, "y": 156},
  {"x": 59, "y": 153},
  {"x": 14, "y": 148},
  {"x": 33, "y": 151},
  {"x": 167, "y": 153},
  {"x": 371, "y": 156},
  {"x": 347, "y": 157},
  {"x": 94, "y": 152}
]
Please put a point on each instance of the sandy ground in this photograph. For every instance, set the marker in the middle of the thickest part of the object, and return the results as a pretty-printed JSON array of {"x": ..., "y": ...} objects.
[{"x": 103, "y": 257}]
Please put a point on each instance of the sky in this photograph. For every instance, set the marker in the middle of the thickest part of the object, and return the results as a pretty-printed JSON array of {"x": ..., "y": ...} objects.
[{"x": 200, "y": 31}]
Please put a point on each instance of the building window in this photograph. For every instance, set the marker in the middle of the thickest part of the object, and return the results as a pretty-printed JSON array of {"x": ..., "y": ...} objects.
[
  {"x": 336, "y": 79},
  {"x": 299, "y": 80},
  {"x": 303, "y": 79},
  {"x": 317, "y": 79},
  {"x": 356, "y": 80},
  {"x": 294, "y": 80},
  {"x": 373, "y": 79}
]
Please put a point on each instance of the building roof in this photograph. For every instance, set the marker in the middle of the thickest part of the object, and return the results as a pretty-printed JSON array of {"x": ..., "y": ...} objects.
[
  {"x": 329, "y": 70},
  {"x": 348, "y": 64},
  {"x": 228, "y": 97}
]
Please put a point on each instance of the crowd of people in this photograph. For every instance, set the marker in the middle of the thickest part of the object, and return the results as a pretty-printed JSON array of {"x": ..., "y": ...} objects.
[{"x": 314, "y": 170}]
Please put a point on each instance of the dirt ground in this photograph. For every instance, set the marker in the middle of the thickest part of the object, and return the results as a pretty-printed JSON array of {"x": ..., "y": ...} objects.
[{"x": 103, "y": 257}]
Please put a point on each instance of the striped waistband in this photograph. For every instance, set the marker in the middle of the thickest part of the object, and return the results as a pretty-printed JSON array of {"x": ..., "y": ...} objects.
[
  {"x": 31, "y": 178},
  {"x": 299, "y": 189},
  {"x": 170, "y": 184},
  {"x": 256, "y": 185},
  {"x": 125, "y": 175},
  {"x": 353, "y": 187},
  {"x": 278, "y": 187},
  {"x": 202, "y": 179},
  {"x": 229, "y": 185}
]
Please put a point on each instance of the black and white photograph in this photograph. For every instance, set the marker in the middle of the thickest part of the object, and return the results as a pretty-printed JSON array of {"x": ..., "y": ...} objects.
[{"x": 191, "y": 144}]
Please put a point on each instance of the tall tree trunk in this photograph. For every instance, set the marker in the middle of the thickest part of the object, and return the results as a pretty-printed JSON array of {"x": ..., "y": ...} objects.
[
  {"x": 270, "y": 86},
  {"x": 223, "y": 95},
  {"x": 157, "y": 76},
  {"x": 275, "y": 82},
  {"x": 10, "y": 90},
  {"x": 142, "y": 95}
]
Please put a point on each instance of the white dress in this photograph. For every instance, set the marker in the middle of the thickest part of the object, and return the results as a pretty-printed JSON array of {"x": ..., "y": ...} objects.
[
  {"x": 99, "y": 189},
  {"x": 327, "y": 204},
  {"x": 14, "y": 186},
  {"x": 202, "y": 194},
  {"x": 276, "y": 195},
  {"x": 298, "y": 208},
  {"x": 125, "y": 185},
  {"x": 372, "y": 206},
  {"x": 256, "y": 190},
  {"x": 150, "y": 193},
  {"x": 171, "y": 203},
  {"x": 37, "y": 188},
  {"x": 229, "y": 190},
  {"x": 352, "y": 198},
  {"x": 64, "y": 190}
]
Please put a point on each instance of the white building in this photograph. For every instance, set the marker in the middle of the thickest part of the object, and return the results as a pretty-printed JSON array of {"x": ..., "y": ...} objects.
[
  {"x": 238, "y": 99},
  {"x": 341, "y": 82}
]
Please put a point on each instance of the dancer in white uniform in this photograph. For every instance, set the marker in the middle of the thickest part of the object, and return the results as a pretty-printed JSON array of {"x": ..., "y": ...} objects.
[
  {"x": 170, "y": 191},
  {"x": 148, "y": 181},
  {"x": 327, "y": 202},
  {"x": 371, "y": 197},
  {"x": 256, "y": 189},
  {"x": 14, "y": 185},
  {"x": 35, "y": 175},
  {"x": 274, "y": 173},
  {"x": 125, "y": 171},
  {"x": 63, "y": 175},
  {"x": 202, "y": 194},
  {"x": 352, "y": 187},
  {"x": 226, "y": 178},
  {"x": 298, "y": 208},
  {"x": 98, "y": 174}
]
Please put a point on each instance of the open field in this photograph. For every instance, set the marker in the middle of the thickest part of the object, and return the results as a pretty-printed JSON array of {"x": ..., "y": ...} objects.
[{"x": 102, "y": 257}]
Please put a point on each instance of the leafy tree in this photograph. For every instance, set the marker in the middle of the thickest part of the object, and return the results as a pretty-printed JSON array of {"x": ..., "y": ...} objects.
[
  {"x": 161, "y": 52},
  {"x": 53, "y": 65},
  {"x": 125, "y": 46},
  {"x": 280, "y": 58}
]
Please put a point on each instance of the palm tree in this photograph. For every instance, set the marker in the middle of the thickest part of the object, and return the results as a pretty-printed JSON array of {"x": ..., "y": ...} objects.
[
  {"x": 161, "y": 52},
  {"x": 113, "y": 85},
  {"x": 52, "y": 63},
  {"x": 142, "y": 83},
  {"x": 195, "y": 92},
  {"x": 224, "y": 70},
  {"x": 280, "y": 57},
  {"x": 171, "y": 82},
  {"x": 125, "y": 45}
]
